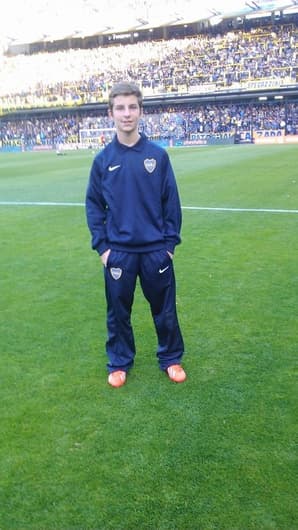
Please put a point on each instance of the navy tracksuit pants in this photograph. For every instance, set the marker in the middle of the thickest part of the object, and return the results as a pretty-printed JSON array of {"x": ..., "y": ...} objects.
[{"x": 157, "y": 279}]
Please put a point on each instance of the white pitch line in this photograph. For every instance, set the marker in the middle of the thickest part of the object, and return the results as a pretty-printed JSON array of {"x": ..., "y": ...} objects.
[
  {"x": 207, "y": 208},
  {"x": 39, "y": 203},
  {"x": 224, "y": 209}
]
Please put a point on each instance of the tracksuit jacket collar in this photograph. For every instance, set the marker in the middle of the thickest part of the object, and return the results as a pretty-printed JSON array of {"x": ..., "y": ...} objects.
[{"x": 137, "y": 147}]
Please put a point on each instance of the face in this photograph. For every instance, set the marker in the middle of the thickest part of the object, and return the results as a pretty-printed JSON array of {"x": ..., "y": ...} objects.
[{"x": 126, "y": 113}]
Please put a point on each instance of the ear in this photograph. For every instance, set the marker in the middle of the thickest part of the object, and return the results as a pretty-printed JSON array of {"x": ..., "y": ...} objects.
[{"x": 110, "y": 113}]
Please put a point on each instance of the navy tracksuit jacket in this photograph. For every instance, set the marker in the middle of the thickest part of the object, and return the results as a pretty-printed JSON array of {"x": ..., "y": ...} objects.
[{"x": 133, "y": 208}]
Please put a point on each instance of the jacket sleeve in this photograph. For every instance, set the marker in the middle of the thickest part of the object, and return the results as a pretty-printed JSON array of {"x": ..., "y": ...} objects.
[
  {"x": 171, "y": 206},
  {"x": 96, "y": 209}
]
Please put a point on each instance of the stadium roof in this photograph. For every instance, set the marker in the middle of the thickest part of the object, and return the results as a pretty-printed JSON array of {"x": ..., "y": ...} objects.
[{"x": 27, "y": 21}]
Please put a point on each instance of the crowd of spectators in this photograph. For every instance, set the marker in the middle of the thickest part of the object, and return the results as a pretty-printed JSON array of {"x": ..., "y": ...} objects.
[
  {"x": 191, "y": 64},
  {"x": 177, "y": 122}
]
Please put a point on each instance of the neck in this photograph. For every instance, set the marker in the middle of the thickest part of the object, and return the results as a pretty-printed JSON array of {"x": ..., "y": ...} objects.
[{"x": 128, "y": 139}]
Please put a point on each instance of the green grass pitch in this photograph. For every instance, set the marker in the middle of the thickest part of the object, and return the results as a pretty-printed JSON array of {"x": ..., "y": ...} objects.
[{"x": 217, "y": 452}]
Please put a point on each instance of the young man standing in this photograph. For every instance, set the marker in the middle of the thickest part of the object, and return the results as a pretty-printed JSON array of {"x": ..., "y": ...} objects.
[{"x": 134, "y": 216}]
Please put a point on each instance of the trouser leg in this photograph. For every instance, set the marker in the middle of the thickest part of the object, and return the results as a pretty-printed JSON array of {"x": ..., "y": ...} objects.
[
  {"x": 157, "y": 279},
  {"x": 120, "y": 282}
]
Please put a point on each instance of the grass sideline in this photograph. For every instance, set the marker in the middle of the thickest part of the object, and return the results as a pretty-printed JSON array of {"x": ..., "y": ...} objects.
[{"x": 217, "y": 452}]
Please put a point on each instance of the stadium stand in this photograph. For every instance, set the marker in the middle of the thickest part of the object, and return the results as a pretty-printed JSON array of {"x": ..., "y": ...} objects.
[{"x": 204, "y": 84}]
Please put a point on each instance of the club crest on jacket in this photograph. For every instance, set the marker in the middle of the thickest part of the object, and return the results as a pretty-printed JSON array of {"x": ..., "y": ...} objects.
[{"x": 150, "y": 164}]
